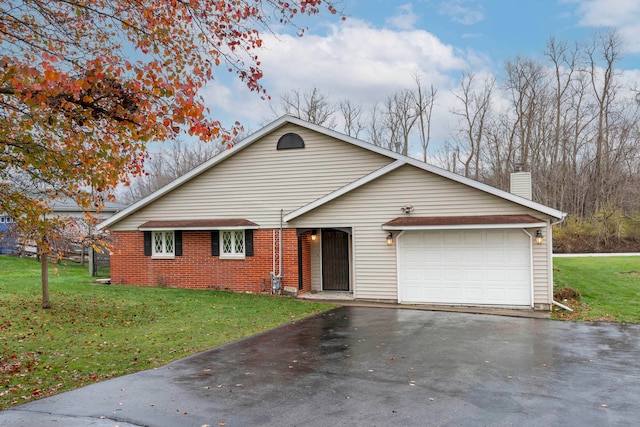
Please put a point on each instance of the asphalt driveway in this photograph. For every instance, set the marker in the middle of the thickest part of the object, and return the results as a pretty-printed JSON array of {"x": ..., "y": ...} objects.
[{"x": 377, "y": 367}]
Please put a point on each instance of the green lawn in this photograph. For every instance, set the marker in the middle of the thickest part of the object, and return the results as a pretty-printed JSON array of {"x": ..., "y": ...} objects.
[
  {"x": 609, "y": 288},
  {"x": 95, "y": 332}
]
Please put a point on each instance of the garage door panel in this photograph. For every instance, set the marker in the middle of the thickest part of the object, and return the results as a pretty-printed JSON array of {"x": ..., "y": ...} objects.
[
  {"x": 450, "y": 239},
  {"x": 495, "y": 239},
  {"x": 465, "y": 267},
  {"x": 495, "y": 275}
]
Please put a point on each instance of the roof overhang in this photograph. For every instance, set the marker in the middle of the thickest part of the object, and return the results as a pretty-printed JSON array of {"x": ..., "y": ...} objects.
[
  {"x": 199, "y": 224},
  {"x": 463, "y": 222}
]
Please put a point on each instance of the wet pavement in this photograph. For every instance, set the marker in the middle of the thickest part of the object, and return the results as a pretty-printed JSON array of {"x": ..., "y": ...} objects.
[{"x": 377, "y": 367}]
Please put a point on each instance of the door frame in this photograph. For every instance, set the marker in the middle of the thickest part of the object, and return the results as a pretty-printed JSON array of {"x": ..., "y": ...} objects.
[{"x": 348, "y": 232}]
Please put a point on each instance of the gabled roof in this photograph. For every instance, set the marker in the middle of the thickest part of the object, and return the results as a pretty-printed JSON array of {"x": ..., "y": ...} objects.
[{"x": 284, "y": 120}]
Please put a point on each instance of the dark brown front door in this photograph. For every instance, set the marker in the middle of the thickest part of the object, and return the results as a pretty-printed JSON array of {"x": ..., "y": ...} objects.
[{"x": 335, "y": 260}]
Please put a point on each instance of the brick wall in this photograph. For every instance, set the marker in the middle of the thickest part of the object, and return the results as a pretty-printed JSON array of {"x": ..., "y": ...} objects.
[
  {"x": 198, "y": 269},
  {"x": 306, "y": 262}
]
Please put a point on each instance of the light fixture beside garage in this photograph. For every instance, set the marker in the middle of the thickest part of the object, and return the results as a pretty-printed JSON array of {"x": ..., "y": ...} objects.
[
  {"x": 538, "y": 237},
  {"x": 390, "y": 239},
  {"x": 314, "y": 235}
]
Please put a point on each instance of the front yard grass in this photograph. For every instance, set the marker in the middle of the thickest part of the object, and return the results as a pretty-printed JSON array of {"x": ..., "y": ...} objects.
[
  {"x": 609, "y": 288},
  {"x": 95, "y": 332}
]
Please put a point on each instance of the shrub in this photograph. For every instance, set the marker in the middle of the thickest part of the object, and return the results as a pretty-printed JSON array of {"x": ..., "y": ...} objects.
[
  {"x": 608, "y": 230},
  {"x": 566, "y": 293}
]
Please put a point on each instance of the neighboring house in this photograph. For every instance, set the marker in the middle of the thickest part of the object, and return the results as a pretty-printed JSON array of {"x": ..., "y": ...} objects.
[
  {"x": 8, "y": 244},
  {"x": 328, "y": 212},
  {"x": 76, "y": 226},
  {"x": 70, "y": 209}
]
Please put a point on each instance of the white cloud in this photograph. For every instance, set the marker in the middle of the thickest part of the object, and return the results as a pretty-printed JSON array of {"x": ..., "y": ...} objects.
[
  {"x": 462, "y": 11},
  {"x": 405, "y": 19},
  {"x": 355, "y": 57},
  {"x": 621, "y": 14},
  {"x": 353, "y": 61}
]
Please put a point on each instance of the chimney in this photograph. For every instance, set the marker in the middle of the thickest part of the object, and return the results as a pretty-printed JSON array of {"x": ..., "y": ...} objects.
[{"x": 521, "y": 182}]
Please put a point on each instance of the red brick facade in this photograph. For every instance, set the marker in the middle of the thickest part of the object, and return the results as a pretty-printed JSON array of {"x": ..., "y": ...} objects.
[
  {"x": 198, "y": 269},
  {"x": 306, "y": 262}
]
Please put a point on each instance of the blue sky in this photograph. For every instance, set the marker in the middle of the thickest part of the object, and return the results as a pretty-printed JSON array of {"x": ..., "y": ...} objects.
[{"x": 383, "y": 43}]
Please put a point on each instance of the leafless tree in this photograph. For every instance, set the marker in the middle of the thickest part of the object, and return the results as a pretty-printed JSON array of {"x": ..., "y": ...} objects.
[
  {"x": 473, "y": 112},
  {"x": 401, "y": 116},
  {"x": 173, "y": 160},
  {"x": 376, "y": 129},
  {"x": 352, "y": 117},
  {"x": 603, "y": 53},
  {"x": 424, "y": 100},
  {"x": 312, "y": 106}
]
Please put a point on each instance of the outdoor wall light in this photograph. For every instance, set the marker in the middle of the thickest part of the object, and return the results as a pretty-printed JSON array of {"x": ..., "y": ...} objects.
[
  {"x": 314, "y": 235},
  {"x": 390, "y": 238},
  {"x": 538, "y": 237}
]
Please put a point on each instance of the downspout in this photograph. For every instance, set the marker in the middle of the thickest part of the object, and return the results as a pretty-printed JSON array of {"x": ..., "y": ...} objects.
[
  {"x": 562, "y": 306},
  {"x": 276, "y": 279},
  {"x": 280, "y": 246}
]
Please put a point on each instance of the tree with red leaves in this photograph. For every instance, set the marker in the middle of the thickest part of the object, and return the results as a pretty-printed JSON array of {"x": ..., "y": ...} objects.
[{"x": 85, "y": 85}]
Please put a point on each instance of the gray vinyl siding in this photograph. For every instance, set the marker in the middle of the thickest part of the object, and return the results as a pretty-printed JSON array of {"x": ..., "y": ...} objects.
[
  {"x": 316, "y": 269},
  {"x": 259, "y": 181},
  {"x": 368, "y": 207}
]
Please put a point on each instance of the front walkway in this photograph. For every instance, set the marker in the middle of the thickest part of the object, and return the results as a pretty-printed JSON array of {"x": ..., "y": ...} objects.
[{"x": 346, "y": 299}]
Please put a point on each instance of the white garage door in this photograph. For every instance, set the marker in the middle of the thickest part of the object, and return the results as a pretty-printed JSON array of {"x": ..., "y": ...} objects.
[{"x": 491, "y": 267}]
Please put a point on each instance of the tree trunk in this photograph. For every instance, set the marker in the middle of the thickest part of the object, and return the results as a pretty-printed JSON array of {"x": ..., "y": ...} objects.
[{"x": 44, "y": 261}]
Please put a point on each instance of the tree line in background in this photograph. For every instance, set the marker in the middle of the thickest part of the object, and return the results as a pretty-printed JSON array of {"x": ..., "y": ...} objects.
[{"x": 569, "y": 118}]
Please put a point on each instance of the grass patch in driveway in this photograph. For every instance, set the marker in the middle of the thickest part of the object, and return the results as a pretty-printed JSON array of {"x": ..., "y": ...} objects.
[
  {"x": 95, "y": 332},
  {"x": 609, "y": 288}
]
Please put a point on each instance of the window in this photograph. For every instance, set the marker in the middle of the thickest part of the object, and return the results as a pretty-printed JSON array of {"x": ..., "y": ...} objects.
[
  {"x": 290, "y": 140},
  {"x": 232, "y": 244},
  {"x": 163, "y": 243}
]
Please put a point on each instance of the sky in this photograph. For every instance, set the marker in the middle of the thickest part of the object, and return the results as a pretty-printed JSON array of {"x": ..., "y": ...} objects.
[{"x": 383, "y": 44}]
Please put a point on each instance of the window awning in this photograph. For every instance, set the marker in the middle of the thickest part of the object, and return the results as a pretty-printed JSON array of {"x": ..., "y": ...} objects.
[
  {"x": 462, "y": 222},
  {"x": 199, "y": 224}
]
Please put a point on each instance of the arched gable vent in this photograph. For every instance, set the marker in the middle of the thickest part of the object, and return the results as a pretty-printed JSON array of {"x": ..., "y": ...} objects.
[{"x": 290, "y": 140}]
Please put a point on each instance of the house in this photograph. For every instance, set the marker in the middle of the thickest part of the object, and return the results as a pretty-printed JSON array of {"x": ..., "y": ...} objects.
[
  {"x": 76, "y": 227},
  {"x": 324, "y": 212},
  {"x": 8, "y": 243}
]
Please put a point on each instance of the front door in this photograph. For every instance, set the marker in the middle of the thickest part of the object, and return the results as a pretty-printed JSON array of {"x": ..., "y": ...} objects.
[{"x": 335, "y": 260}]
